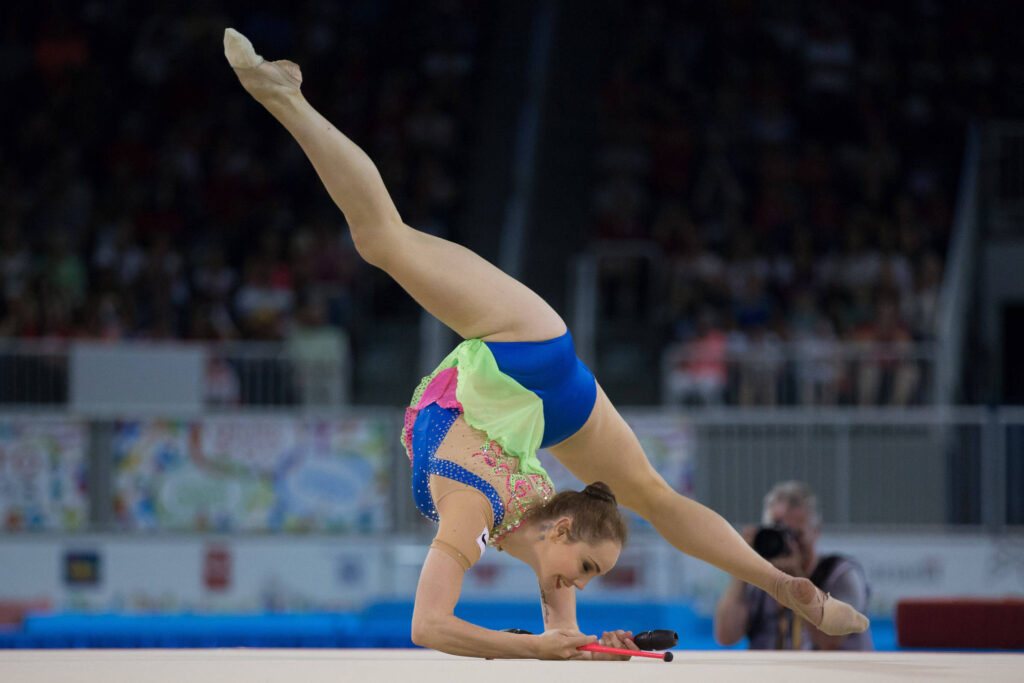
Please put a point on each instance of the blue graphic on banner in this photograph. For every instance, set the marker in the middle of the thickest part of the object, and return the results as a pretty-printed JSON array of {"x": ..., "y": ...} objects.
[{"x": 248, "y": 474}]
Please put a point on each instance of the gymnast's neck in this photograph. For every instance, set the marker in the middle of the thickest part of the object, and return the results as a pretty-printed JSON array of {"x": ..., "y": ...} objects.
[{"x": 522, "y": 544}]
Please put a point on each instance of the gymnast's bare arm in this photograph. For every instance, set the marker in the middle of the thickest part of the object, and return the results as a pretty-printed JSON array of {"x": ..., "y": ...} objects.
[{"x": 435, "y": 625}]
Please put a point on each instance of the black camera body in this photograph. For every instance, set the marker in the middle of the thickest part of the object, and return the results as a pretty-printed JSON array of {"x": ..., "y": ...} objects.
[{"x": 773, "y": 541}]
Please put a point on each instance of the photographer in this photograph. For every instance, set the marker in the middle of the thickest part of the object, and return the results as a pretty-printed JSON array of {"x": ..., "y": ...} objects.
[{"x": 788, "y": 540}]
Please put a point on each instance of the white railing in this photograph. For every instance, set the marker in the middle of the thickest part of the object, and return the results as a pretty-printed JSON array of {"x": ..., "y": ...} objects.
[{"x": 277, "y": 374}]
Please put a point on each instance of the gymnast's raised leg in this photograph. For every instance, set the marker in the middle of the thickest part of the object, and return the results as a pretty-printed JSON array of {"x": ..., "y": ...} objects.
[{"x": 455, "y": 285}]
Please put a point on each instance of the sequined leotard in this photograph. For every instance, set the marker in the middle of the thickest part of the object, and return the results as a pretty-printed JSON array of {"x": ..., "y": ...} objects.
[{"x": 513, "y": 397}]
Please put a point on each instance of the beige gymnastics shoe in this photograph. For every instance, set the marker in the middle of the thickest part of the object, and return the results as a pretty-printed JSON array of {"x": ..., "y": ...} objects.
[
  {"x": 262, "y": 79},
  {"x": 829, "y": 615}
]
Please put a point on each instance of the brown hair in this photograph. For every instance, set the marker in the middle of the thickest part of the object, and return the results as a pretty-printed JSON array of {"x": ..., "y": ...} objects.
[{"x": 594, "y": 511}]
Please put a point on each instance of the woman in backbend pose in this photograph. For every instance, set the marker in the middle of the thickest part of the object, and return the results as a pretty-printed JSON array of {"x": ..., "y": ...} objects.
[{"x": 475, "y": 424}]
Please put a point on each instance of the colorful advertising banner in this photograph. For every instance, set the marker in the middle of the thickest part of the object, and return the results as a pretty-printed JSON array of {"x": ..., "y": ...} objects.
[
  {"x": 43, "y": 475},
  {"x": 265, "y": 474}
]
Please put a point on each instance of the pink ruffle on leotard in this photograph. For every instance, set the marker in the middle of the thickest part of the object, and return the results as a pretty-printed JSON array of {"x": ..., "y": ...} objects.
[{"x": 441, "y": 391}]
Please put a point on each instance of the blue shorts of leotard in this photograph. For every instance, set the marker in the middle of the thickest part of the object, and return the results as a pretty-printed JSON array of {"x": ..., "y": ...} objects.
[{"x": 551, "y": 370}]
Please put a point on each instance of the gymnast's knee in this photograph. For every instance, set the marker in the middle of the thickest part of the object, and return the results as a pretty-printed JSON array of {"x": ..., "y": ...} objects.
[{"x": 376, "y": 242}]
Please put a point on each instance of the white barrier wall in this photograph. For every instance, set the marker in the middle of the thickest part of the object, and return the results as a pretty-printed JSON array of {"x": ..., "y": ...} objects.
[
  {"x": 254, "y": 574},
  {"x": 219, "y": 514},
  {"x": 186, "y": 574}
]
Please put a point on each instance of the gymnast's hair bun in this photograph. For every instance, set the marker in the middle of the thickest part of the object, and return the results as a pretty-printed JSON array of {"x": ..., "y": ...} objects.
[
  {"x": 595, "y": 514},
  {"x": 601, "y": 491}
]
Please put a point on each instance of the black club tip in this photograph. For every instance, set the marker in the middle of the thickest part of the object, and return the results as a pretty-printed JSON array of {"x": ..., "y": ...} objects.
[{"x": 668, "y": 656}]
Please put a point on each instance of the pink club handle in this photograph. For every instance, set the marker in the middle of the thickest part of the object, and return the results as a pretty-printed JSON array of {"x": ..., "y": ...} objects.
[{"x": 594, "y": 647}]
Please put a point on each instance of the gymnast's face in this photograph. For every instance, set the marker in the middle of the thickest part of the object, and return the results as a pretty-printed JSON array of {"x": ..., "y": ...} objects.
[{"x": 567, "y": 563}]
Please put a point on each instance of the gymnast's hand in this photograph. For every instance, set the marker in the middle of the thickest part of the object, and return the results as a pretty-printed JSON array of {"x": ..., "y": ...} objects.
[
  {"x": 620, "y": 638},
  {"x": 561, "y": 643}
]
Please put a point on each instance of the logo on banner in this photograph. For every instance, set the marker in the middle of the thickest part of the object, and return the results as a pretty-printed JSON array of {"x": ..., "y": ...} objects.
[
  {"x": 1007, "y": 560},
  {"x": 349, "y": 571},
  {"x": 217, "y": 568},
  {"x": 82, "y": 569}
]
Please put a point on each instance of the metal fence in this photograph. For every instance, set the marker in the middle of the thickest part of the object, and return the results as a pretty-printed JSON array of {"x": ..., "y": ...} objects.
[
  {"x": 923, "y": 466},
  {"x": 37, "y": 373},
  {"x": 33, "y": 372},
  {"x": 274, "y": 374}
]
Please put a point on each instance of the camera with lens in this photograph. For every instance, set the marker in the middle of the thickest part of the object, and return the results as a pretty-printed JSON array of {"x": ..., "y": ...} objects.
[{"x": 773, "y": 541}]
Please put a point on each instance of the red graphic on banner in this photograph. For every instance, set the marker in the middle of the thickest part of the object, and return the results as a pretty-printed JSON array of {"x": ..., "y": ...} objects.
[
  {"x": 486, "y": 574},
  {"x": 217, "y": 568},
  {"x": 622, "y": 577}
]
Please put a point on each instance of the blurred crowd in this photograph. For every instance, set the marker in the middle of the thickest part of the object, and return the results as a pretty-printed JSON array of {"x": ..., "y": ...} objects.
[
  {"x": 796, "y": 165},
  {"x": 143, "y": 195},
  {"x": 793, "y": 164}
]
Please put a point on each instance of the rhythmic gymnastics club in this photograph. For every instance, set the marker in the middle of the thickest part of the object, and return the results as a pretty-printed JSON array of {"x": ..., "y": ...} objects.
[
  {"x": 594, "y": 647},
  {"x": 660, "y": 639}
]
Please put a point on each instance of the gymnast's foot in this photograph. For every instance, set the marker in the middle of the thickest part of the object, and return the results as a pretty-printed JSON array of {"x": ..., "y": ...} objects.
[
  {"x": 834, "y": 617},
  {"x": 264, "y": 80}
]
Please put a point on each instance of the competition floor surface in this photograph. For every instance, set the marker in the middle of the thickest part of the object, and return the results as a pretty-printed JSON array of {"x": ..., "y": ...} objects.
[{"x": 423, "y": 666}]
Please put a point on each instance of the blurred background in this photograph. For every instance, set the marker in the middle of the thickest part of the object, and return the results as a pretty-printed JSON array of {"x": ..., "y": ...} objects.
[{"x": 787, "y": 237}]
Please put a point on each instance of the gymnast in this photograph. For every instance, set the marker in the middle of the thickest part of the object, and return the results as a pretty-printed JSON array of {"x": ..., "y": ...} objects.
[{"x": 474, "y": 426}]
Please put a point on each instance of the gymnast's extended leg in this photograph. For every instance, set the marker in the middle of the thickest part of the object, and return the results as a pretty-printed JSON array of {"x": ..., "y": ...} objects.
[
  {"x": 461, "y": 289},
  {"x": 606, "y": 449}
]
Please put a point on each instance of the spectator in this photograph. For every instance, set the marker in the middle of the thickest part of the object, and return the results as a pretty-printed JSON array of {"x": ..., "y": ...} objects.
[
  {"x": 222, "y": 386},
  {"x": 745, "y": 611},
  {"x": 887, "y": 371},
  {"x": 761, "y": 359},
  {"x": 320, "y": 352},
  {"x": 262, "y": 306},
  {"x": 697, "y": 370},
  {"x": 922, "y": 305},
  {"x": 818, "y": 366}
]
